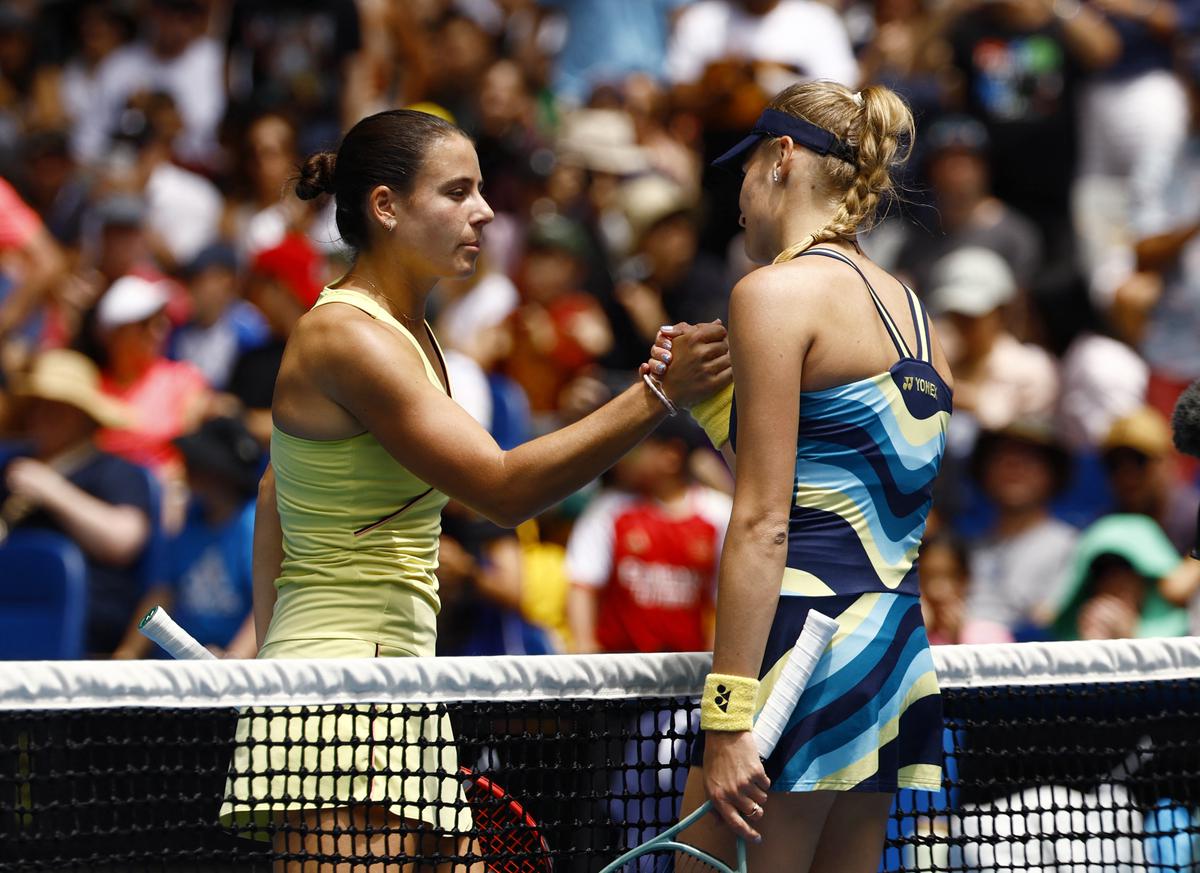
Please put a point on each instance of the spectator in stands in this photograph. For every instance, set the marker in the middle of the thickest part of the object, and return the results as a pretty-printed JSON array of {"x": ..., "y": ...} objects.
[
  {"x": 20, "y": 89},
  {"x": 507, "y": 138},
  {"x": 642, "y": 559},
  {"x": 1017, "y": 568},
  {"x": 1111, "y": 591},
  {"x": 298, "y": 58},
  {"x": 177, "y": 58},
  {"x": 956, "y": 150},
  {"x": 1137, "y": 100},
  {"x": 102, "y": 28},
  {"x": 206, "y": 581},
  {"x": 559, "y": 330},
  {"x": 1103, "y": 379},
  {"x": 30, "y": 263},
  {"x": 222, "y": 326},
  {"x": 1021, "y": 64},
  {"x": 283, "y": 284},
  {"x": 665, "y": 278},
  {"x": 257, "y": 215},
  {"x": 1161, "y": 317},
  {"x": 997, "y": 378},
  {"x": 945, "y": 579},
  {"x": 56, "y": 186},
  {"x": 183, "y": 209},
  {"x": 908, "y": 52},
  {"x": 1140, "y": 462},
  {"x": 481, "y": 583},
  {"x": 762, "y": 32},
  {"x": 101, "y": 502},
  {"x": 168, "y": 397},
  {"x": 604, "y": 44}
]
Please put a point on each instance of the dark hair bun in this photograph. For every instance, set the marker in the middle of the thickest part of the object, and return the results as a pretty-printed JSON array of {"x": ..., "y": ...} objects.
[{"x": 316, "y": 176}]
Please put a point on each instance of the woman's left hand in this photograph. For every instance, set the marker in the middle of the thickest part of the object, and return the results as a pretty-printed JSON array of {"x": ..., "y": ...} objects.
[{"x": 735, "y": 781}]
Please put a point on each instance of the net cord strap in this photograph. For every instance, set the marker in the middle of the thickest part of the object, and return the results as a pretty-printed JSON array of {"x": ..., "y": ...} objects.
[{"x": 181, "y": 684}]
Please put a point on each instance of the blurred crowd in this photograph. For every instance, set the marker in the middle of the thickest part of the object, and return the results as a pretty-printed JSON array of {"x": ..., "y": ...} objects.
[{"x": 153, "y": 262}]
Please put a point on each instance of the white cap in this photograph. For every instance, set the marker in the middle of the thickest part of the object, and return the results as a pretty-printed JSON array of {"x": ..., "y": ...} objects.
[
  {"x": 129, "y": 300},
  {"x": 971, "y": 281},
  {"x": 603, "y": 140}
]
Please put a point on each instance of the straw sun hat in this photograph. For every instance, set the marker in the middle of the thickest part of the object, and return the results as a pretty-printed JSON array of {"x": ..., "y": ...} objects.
[{"x": 69, "y": 377}]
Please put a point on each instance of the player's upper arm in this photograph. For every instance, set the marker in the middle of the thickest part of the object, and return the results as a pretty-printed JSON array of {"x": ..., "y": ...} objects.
[
  {"x": 769, "y": 336},
  {"x": 382, "y": 383}
]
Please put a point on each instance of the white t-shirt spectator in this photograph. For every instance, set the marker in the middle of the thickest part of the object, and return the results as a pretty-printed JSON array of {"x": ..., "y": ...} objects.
[
  {"x": 1015, "y": 579},
  {"x": 805, "y": 35},
  {"x": 194, "y": 79},
  {"x": 1170, "y": 343},
  {"x": 183, "y": 208},
  {"x": 1102, "y": 380}
]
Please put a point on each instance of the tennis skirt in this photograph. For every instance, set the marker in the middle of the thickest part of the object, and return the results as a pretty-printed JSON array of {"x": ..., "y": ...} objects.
[
  {"x": 870, "y": 718},
  {"x": 295, "y": 759}
]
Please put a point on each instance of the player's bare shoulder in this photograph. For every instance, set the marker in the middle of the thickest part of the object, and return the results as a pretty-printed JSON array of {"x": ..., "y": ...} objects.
[{"x": 803, "y": 290}]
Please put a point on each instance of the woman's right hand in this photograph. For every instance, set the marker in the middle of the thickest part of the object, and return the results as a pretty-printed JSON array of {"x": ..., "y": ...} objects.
[{"x": 696, "y": 362}]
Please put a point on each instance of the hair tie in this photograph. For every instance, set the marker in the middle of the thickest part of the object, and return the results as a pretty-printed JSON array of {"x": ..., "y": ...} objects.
[{"x": 857, "y": 97}]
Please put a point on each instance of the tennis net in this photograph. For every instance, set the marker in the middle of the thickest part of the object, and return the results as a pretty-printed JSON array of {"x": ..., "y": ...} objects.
[{"x": 1059, "y": 757}]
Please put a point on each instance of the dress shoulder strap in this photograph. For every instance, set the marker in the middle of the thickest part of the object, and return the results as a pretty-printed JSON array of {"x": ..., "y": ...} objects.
[
  {"x": 372, "y": 308},
  {"x": 884, "y": 316}
]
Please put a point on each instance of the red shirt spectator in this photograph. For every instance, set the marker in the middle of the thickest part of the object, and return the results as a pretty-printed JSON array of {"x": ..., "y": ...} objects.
[{"x": 653, "y": 567}]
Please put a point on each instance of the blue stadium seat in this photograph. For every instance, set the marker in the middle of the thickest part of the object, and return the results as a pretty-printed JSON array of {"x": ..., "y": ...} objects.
[{"x": 43, "y": 597}]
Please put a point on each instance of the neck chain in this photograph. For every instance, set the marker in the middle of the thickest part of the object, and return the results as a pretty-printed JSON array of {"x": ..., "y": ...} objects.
[{"x": 383, "y": 298}]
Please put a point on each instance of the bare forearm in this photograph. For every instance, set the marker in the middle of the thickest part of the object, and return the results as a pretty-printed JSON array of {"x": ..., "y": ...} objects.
[
  {"x": 245, "y": 642},
  {"x": 539, "y": 473},
  {"x": 751, "y": 569},
  {"x": 45, "y": 263},
  {"x": 1091, "y": 38},
  {"x": 268, "y": 555},
  {"x": 1181, "y": 584},
  {"x": 581, "y": 618},
  {"x": 110, "y": 534},
  {"x": 1157, "y": 253}
]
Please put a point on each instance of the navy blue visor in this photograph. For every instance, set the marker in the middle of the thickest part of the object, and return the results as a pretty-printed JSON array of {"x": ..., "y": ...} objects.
[{"x": 772, "y": 122}]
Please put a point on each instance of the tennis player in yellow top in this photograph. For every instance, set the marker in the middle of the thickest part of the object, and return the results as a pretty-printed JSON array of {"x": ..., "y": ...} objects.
[{"x": 367, "y": 447}]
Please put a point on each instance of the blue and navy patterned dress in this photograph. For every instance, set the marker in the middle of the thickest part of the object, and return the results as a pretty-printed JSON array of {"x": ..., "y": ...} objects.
[{"x": 867, "y": 453}]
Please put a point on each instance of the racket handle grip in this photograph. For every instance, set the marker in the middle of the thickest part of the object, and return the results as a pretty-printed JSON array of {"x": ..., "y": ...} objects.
[
  {"x": 768, "y": 728},
  {"x": 177, "y": 642}
]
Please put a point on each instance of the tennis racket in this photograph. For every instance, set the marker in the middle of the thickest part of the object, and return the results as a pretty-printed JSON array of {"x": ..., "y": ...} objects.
[
  {"x": 509, "y": 838},
  {"x": 663, "y": 851}
]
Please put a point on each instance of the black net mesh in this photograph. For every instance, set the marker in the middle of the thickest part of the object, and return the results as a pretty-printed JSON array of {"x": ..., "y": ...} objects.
[{"x": 1097, "y": 777}]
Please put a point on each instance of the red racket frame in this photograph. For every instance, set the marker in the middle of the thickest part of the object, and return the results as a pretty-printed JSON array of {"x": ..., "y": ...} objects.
[{"x": 504, "y": 828}]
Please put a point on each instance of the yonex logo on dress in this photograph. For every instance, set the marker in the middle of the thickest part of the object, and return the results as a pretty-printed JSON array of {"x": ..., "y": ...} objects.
[{"x": 925, "y": 386}]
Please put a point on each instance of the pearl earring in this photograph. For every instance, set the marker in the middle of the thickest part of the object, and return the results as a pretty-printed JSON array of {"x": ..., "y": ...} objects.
[
  {"x": 390, "y": 224},
  {"x": 775, "y": 175}
]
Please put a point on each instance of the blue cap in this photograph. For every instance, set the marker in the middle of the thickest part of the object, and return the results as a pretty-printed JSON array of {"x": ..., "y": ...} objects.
[{"x": 773, "y": 122}]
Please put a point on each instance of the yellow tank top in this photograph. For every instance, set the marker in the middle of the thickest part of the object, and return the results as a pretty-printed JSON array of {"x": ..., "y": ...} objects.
[{"x": 360, "y": 533}]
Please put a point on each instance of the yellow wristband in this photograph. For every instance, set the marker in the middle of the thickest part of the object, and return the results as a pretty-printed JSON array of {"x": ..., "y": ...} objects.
[
  {"x": 728, "y": 702},
  {"x": 712, "y": 414}
]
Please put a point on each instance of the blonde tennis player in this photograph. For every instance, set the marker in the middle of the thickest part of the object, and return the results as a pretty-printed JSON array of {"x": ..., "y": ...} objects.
[
  {"x": 367, "y": 447},
  {"x": 839, "y": 424}
]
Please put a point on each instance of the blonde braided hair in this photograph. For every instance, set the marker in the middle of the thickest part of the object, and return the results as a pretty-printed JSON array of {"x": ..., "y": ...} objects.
[{"x": 878, "y": 127}]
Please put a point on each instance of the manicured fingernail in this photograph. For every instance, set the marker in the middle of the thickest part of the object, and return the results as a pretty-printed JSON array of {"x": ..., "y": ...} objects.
[
  {"x": 665, "y": 328},
  {"x": 660, "y": 368},
  {"x": 666, "y": 344},
  {"x": 666, "y": 356}
]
